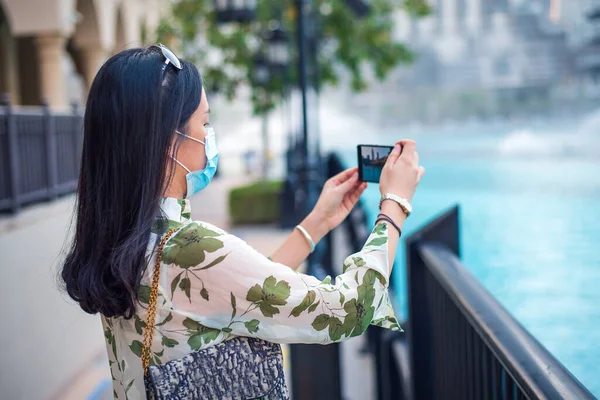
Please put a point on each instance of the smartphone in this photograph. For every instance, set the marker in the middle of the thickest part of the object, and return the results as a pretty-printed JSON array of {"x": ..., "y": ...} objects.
[{"x": 371, "y": 159}]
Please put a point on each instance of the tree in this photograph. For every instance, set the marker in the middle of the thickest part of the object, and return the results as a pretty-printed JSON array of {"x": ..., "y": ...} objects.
[{"x": 226, "y": 54}]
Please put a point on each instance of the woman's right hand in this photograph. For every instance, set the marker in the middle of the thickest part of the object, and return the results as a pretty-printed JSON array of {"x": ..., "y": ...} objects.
[{"x": 401, "y": 173}]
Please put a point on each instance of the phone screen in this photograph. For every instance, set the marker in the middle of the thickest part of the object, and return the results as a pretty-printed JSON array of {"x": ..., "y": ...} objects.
[{"x": 371, "y": 159}]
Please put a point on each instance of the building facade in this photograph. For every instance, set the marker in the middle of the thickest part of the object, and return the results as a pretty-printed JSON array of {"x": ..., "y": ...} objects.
[{"x": 50, "y": 50}]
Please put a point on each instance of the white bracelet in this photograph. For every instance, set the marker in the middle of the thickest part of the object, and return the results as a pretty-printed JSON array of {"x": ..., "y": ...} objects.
[{"x": 307, "y": 237}]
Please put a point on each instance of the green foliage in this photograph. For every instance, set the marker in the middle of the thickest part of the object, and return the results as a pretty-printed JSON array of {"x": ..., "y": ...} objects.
[
  {"x": 351, "y": 43},
  {"x": 257, "y": 203}
]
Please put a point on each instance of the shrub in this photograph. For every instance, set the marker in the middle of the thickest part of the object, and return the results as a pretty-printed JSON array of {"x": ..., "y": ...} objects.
[{"x": 257, "y": 203}]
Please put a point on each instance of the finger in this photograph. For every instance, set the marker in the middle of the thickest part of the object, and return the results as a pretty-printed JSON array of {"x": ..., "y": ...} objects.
[
  {"x": 408, "y": 147},
  {"x": 354, "y": 195},
  {"x": 417, "y": 157},
  {"x": 344, "y": 187},
  {"x": 344, "y": 175},
  {"x": 358, "y": 192},
  {"x": 393, "y": 156},
  {"x": 420, "y": 173}
]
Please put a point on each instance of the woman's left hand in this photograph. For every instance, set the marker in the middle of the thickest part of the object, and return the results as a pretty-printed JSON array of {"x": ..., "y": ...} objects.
[{"x": 339, "y": 195}]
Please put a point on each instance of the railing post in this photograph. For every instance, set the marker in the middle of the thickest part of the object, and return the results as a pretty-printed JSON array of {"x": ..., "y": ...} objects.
[
  {"x": 419, "y": 334},
  {"x": 14, "y": 167},
  {"x": 444, "y": 229},
  {"x": 50, "y": 142}
]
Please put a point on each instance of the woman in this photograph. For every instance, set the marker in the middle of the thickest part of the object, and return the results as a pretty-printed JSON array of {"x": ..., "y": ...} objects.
[{"x": 148, "y": 146}]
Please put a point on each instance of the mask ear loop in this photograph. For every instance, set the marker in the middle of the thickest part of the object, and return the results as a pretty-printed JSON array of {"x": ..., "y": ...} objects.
[
  {"x": 182, "y": 166},
  {"x": 189, "y": 137}
]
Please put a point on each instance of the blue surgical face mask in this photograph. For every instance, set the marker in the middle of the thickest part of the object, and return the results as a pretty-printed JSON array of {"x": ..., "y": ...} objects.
[{"x": 198, "y": 180}]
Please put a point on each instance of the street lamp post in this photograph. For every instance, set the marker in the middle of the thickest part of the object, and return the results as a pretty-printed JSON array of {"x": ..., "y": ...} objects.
[
  {"x": 305, "y": 184},
  {"x": 272, "y": 60}
]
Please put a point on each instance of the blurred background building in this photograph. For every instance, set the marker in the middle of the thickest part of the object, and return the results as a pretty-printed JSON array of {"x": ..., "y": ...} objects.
[
  {"x": 51, "y": 49},
  {"x": 494, "y": 58}
]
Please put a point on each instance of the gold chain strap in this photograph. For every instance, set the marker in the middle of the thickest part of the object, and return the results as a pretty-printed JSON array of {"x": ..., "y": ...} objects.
[{"x": 150, "y": 318}]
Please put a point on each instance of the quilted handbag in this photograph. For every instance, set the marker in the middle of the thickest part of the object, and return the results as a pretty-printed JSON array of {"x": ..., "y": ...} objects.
[{"x": 239, "y": 368}]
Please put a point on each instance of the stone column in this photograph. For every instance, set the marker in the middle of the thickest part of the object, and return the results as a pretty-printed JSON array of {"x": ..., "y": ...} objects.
[
  {"x": 51, "y": 49},
  {"x": 92, "y": 59}
]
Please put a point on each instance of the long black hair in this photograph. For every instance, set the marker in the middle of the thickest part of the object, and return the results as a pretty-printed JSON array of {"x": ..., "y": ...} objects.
[{"x": 131, "y": 116}]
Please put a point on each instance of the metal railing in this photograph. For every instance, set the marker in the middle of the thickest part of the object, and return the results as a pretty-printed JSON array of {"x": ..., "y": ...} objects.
[
  {"x": 462, "y": 343},
  {"x": 40, "y": 152}
]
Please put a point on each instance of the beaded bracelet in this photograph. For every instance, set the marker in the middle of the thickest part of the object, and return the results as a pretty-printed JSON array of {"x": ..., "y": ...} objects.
[{"x": 384, "y": 217}]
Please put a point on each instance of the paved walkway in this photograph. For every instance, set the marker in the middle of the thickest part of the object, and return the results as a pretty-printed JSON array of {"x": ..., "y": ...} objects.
[{"x": 67, "y": 344}]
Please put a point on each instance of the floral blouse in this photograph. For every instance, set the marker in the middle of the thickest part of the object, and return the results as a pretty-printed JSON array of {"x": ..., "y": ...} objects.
[{"x": 214, "y": 286}]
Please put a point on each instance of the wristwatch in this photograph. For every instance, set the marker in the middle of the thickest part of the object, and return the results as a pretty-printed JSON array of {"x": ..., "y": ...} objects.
[{"x": 401, "y": 201}]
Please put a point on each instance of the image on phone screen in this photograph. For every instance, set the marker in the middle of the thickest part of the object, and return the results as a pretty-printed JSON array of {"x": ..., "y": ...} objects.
[{"x": 371, "y": 159}]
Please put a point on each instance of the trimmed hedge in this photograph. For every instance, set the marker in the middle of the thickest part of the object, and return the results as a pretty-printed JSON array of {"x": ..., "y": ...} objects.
[{"x": 257, "y": 203}]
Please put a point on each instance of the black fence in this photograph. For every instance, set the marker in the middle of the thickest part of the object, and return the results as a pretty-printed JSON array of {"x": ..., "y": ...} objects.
[
  {"x": 462, "y": 343},
  {"x": 459, "y": 342},
  {"x": 40, "y": 152}
]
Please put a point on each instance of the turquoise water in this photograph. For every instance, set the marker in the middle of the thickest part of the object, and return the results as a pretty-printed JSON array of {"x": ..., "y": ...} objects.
[
  {"x": 371, "y": 174},
  {"x": 530, "y": 224}
]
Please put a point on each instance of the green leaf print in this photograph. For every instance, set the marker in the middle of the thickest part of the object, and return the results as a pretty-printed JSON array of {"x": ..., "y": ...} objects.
[
  {"x": 136, "y": 348},
  {"x": 199, "y": 334},
  {"x": 192, "y": 325},
  {"x": 144, "y": 294},
  {"x": 167, "y": 319},
  {"x": 306, "y": 302},
  {"x": 233, "y": 306},
  {"x": 198, "y": 339},
  {"x": 186, "y": 285},
  {"x": 327, "y": 280},
  {"x": 314, "y": 307},
  {"x": 269, "y": 296},
  {"x": 377, "y": 241},
  {"x": 346, "y": 266},
  {"x": 336, "y": 329},
  {"x": 189, "y": 246},
  {"x": 159, "y": 225},
  {"x": 252, "y": 326},
  {"x": 204, "y": 294},
  {"x": 169, "y": 342},
  {"x": 227, "y": 330},
  {"x": 108, "y": 335},
  {"x": 359, "y": 262},
  {"x": 360, "y": 311},
  {"x": 380, "y": 229},
  {"x": 174, "y": 283},
  {"x": 342, "y": 298},
  {"x": 129, "y": 386},
  {"x": 321, "y": 322},
  {"x": 212, "y": 264},
  {"x": 139, "y": 324}
]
